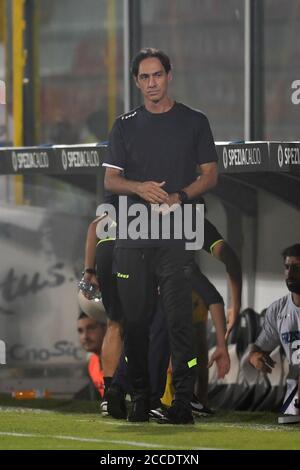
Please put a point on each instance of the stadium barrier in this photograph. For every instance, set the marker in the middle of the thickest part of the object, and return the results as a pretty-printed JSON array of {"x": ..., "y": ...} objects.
[{"x": 234, "y": 158}]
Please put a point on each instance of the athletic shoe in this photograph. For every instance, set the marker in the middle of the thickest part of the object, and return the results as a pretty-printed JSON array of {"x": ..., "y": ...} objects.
[
  {"x": 178, "y": 413},
  {"x": 140, "y": 410},
  {"x": 156, "y": 413},
  {"x": 103, "y": 408},
  {"x": 289, "y": 419},
  {"x": 116, "y": 404},
  {"x": 200, "y": 410}
]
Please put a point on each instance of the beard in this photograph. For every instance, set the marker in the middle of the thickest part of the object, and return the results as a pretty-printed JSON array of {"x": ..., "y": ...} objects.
[{"x": 293, "y": 286}]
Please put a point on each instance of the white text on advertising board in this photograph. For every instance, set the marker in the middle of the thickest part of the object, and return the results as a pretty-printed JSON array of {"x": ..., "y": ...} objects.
[
  {"x": 29, "y": 160},
  {"x": 80, "y": 159},
  {"x": 292, "y": 156},
  {"x": 242, "y": 157},
  {"x": 60, "y": 349}
]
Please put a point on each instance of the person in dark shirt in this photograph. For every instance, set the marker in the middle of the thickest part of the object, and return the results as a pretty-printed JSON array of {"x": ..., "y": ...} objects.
[
  {"x": 215, "y": 245},
  {"x": 99, "y": 272},
  {"x": 206, "y": 298},
  {"x": 154, "y": 154}
]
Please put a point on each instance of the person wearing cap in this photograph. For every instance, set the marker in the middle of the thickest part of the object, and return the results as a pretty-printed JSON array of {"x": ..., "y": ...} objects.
[{"x": 91, "y": 334}]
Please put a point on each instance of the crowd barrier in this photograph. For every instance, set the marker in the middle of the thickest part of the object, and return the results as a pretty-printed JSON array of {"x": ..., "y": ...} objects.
[{"x": 234, "y": 157}]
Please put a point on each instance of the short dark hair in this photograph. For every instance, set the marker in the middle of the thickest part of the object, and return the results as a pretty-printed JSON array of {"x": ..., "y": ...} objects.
[
  {"x": 82, "y": 315},
  {"x": 293, "y": 250},
  {"x": 145, "y": 54}
]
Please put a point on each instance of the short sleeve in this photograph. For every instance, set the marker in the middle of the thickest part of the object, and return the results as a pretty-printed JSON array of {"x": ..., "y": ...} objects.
[
  {"x": 116, "y": 155},
  {"x": 206, "y": 151},
  {"x": 268, "y": 338}
]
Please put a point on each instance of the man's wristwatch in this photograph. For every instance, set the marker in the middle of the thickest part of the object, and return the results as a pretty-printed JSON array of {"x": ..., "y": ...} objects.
[
  {"x": 88, "y": 271},
  {"x": 183, "y": 196}
]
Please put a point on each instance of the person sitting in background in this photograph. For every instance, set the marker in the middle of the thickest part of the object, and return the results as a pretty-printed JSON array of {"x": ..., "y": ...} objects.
[
  {"x": 282, "y": 327},
  {"x": 91, "y": 334}
]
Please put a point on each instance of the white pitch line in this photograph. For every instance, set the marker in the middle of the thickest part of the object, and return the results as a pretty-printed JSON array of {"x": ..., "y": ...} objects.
[
  {"x": 14, "y": 409},
  {"x": 256, "y": 427},
  {"x": 98, "y": 441}
]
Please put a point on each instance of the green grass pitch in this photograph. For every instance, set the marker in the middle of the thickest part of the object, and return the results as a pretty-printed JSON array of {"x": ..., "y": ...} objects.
[{"x": 57, "y": 424}]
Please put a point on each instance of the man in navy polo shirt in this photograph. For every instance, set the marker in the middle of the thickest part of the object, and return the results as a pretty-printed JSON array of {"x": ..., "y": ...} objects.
[{"x": 155, "y": 155}]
